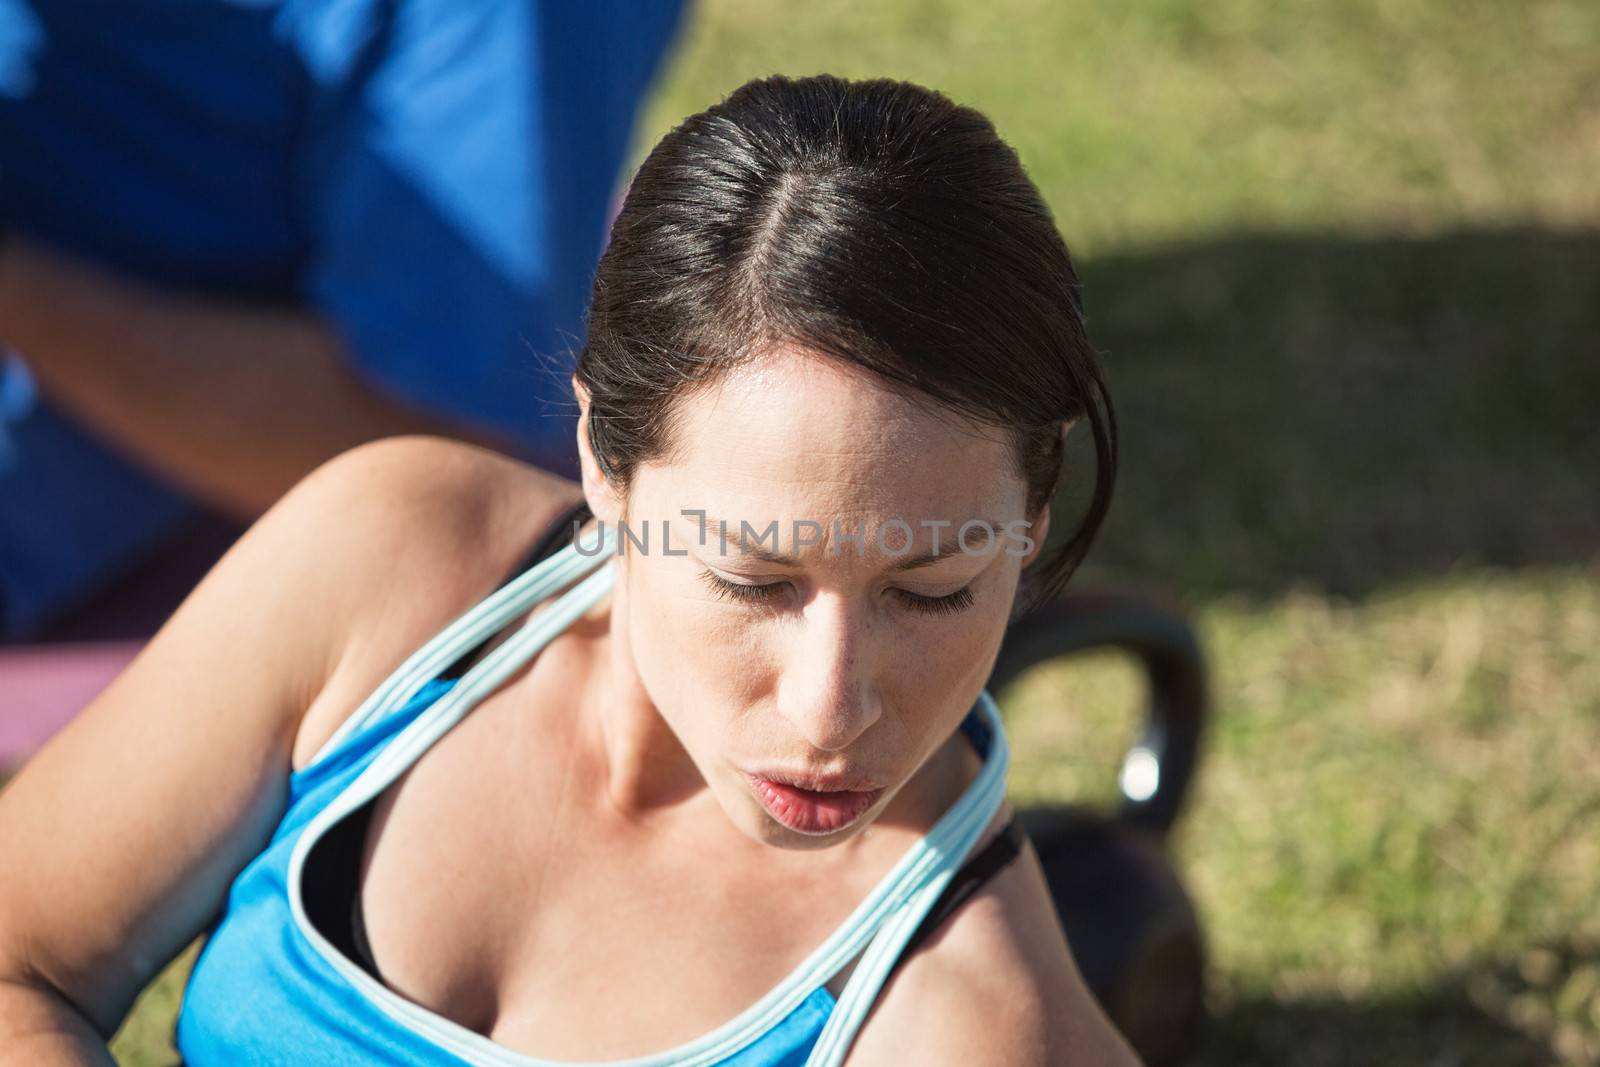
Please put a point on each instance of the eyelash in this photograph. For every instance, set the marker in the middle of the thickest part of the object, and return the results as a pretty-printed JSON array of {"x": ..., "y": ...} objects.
[{"x": 949, "y": 604}]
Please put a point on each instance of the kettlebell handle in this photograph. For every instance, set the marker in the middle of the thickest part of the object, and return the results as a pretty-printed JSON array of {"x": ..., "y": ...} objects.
[{"x": 1157, "y": 769}]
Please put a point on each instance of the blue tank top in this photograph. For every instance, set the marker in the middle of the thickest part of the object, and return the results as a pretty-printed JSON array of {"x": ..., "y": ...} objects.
[{"x": 269, "y": 988}]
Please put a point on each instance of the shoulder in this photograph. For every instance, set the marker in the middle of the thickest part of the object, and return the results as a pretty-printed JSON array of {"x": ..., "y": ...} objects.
[
  {"x": 410, "y": 518},
  {"x": 406, "y": 487},
  {"x": 995, "y": 985},
  {"x": 397, "y": 537}
]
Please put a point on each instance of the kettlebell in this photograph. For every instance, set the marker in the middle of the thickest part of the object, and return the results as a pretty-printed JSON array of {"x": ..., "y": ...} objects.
[{"x": 1130, "y": 924}]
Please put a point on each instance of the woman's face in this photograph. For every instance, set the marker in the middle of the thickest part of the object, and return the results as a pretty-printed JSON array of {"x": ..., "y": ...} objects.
[{"x": 809, "y": 688}]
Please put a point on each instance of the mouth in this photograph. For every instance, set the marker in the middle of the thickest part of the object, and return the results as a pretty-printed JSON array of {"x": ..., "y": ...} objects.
[{"x": 813, "y": 806}]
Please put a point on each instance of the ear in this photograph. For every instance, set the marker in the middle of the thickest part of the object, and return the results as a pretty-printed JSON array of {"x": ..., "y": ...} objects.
[
  {"x": 603, "y": 498},
  {"x": 1038, "y": 532},
  {"x": 1039, "y": 525}
]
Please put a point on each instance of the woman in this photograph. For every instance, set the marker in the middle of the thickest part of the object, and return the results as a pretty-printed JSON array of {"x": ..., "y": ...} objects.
[{"x": 734, "y": 793}]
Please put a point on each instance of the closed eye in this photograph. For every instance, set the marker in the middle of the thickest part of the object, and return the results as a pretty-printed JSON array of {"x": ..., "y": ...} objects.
[
  {"x": 747, "y": 593},
  {"x": 948, "y": 604},
  {"x": 741, "y": 591}
]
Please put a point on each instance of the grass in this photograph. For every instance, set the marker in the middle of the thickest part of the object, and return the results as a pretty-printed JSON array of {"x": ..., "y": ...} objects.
[
  {"x": 1393, "y": 840},
  {"x": 1166, "y": 120},
  {"x": 1344, "y": 261}
]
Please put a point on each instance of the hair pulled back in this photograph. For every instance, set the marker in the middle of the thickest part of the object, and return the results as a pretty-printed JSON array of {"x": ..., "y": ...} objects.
[{"x": 874, "y": 222}]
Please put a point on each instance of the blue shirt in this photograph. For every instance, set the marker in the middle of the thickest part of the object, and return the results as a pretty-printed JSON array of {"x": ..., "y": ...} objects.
[{"x": 434, "y": 176}]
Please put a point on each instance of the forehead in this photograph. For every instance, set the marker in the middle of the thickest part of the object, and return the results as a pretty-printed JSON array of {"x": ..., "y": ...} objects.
[{"x": 798, "y": 435}]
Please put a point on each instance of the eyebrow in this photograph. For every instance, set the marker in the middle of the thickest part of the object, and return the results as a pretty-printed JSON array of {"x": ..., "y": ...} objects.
[{"x": 979, "y": 538}]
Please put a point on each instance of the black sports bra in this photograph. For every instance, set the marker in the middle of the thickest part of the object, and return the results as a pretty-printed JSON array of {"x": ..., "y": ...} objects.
[{"x": 331, "y": 889}]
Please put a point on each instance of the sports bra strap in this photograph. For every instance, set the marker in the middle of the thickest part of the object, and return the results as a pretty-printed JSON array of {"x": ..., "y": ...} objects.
[
  {"x": 995, "y": 857},
  {"x": 559, "y": 534},
  {"x": 470, "y": 630}
]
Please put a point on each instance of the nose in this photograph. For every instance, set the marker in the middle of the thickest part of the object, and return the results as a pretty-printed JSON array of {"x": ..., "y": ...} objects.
[{"x": 829, "y": 692}]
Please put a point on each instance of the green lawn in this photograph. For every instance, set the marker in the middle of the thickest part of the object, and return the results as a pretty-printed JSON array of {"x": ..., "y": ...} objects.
[
  {"x": 1394, "y": 840},
  {"x": 1344, "y": 261}
]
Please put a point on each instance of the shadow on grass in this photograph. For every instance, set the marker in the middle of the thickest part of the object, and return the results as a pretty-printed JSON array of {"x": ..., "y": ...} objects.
[
  {"x": 1345, "y": 413},
  {"x": 1442, "y": 1031},
  {"x": 1538, "y": 1006}
]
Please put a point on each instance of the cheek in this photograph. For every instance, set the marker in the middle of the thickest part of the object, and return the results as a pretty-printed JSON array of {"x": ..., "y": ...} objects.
[
  {"x": 938, "y": 669},
  {"x": 700, "y": 664}
]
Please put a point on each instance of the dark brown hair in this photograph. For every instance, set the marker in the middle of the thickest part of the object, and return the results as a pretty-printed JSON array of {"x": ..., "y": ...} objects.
[{"x": 874, "y": 222}]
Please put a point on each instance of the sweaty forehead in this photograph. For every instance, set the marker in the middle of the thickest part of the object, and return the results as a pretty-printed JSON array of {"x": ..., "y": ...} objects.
[{"x": 794, "y": 429}]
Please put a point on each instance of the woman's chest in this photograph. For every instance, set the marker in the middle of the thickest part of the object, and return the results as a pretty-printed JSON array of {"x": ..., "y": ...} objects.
[{"x": 493, "y": 895}]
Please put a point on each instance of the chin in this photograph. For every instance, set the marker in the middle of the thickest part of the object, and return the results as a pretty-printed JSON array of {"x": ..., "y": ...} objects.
[
  {"x": 762, "y": 826},
  {"x": 774, "y": 833}
]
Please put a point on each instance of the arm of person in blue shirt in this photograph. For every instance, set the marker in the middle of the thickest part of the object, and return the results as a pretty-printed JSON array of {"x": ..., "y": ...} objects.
[{"x": 235, "y": 402}]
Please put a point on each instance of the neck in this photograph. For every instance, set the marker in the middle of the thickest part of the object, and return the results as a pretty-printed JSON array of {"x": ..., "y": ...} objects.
[{"x": 645, "y": 769}]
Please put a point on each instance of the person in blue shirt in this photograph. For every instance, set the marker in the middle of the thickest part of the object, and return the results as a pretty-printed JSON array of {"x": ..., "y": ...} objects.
[{"x": 238, "y": 237}]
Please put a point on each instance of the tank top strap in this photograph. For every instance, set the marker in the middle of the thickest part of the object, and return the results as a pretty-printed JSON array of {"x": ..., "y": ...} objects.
[
  {"x": 403, "y": 746},
  {"x": 916, "y": 885},
  {"x": 469, "y": 631}
]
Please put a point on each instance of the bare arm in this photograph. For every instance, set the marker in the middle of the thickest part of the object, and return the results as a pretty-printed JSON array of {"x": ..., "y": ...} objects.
[
  {"x": 122, "y": 835},
  {"x": 40, "y": 1027},
  {"x": 235, "y": 402}
]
